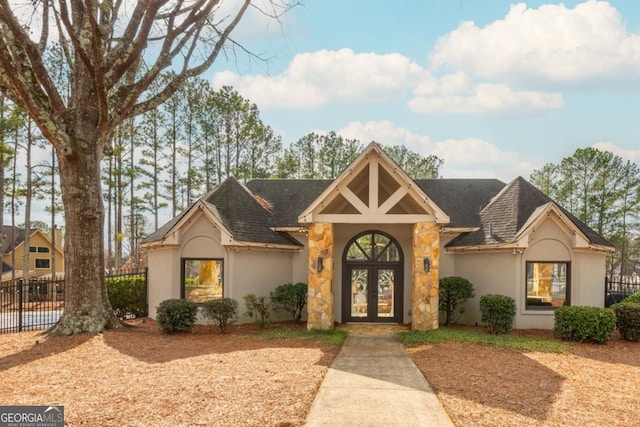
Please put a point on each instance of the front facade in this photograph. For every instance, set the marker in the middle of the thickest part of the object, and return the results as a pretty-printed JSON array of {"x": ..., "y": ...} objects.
[{"x": 373, "y": 243}]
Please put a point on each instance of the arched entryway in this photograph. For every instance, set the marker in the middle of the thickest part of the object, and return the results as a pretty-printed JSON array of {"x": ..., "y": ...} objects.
[{"x": 372, "y": 280}]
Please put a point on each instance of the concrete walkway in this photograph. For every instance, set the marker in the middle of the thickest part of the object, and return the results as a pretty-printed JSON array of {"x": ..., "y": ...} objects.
[{"x": 372, "y": 382}]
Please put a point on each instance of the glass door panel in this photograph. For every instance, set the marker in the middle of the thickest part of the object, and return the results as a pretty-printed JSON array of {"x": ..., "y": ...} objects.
[
  {"x": 386, "y": 281},
  {"x": 359, "y": 289}
]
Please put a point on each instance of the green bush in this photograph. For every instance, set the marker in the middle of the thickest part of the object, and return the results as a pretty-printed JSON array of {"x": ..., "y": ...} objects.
[
  {"x": 291, "y": 298},
  {"x": 628, "y": 320},
  {"x": 176, "y": 315},
  {"x": 222, "y": 311},
  {"x": 635, "y": 298},
  {"x": 454, "y": 291},
  {"x": 498, "y": 312},
  {"x": 127, "y": 295},
  {"x": 258, "y": 307},
  {"x": 584, "y": 324}
]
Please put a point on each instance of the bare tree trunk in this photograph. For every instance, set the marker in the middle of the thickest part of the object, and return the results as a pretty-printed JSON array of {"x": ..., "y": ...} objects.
[
  {"x": 87, "y": 307},
  {"x": 27, "y": 206},
  {"x": 53, "y": 214}
]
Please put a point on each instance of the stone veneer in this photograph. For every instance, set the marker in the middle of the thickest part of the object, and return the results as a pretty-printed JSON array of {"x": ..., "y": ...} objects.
[
  {"x": 424, "y": 296},
  {"x": 320, "y": 291}
]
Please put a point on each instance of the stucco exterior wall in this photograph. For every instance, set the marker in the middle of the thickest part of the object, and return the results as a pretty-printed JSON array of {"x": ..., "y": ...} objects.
[
  {"x": 447, "y": 260},
  {"x": 490, "y": 273},
  {"x": 505, "y": 273},
  {"x": 587, "y": 282},
  {"x": 163, "y": 276},
  {"x": 343, "y": 233},
  {"x": 245, "y": 271},
  {"x": 257, "y": 272}
]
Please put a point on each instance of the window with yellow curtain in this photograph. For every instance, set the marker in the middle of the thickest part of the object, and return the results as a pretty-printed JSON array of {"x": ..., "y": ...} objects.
[{"x": 547, "y": 285}]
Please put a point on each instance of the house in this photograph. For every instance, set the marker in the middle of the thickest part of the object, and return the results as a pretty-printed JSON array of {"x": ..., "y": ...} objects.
[
  {"x": 373, "y": 243},
  {"x": 41, "y": 254}
]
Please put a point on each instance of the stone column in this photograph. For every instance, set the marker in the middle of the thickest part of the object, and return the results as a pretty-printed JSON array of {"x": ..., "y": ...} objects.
[
  {"x": 320, "y": 292},
  {"x": 424, "y": 295}
]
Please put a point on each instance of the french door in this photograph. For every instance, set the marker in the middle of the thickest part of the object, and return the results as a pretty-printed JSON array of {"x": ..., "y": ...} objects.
[{"x": 372, "y": 279}]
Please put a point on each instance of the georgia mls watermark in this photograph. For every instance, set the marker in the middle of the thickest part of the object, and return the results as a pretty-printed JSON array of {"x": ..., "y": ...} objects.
[{"x": 31, "y": 416}]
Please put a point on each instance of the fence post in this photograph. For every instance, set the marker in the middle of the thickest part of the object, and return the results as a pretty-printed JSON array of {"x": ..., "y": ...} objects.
[{"x": 20, "y": 294}]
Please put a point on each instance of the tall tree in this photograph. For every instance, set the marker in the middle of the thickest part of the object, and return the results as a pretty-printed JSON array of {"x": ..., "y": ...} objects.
[
  {"x": 105, "y": 45},
  {"x": 415, "y": 164}
]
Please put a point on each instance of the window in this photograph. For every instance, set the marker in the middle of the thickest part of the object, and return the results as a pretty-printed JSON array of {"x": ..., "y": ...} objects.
[
  {"x": 42, "y": 263},
  {"x": 39, "y": 249},
  {"x": 373, "y": 246},
  {"x": 202, "y": 279},
  {"x": 547, "y": 285}
]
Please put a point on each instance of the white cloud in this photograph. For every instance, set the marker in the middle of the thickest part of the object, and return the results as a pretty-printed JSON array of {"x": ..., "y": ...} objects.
[
  {"x": 550, "y": 44},
  {"x": 473, "y": 151},
  {"x": 631, "y": 155},
  {"x": 455, "y": 94},
  {"x": 386, "y": 133},
  {"x": 463, "y": 158},
  {"x": 317, "y": 78}
]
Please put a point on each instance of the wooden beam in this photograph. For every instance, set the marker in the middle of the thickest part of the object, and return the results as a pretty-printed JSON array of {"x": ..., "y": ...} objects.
[{"x": 392, "y": 200}]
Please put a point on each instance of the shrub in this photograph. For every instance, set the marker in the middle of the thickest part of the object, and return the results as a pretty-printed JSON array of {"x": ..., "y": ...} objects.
[
  {"x": 584, "y": 324},
  {"x": 258, "y": 307},
  {"x": 176, "y": 315},
  {"x": 291, "y": 298},
  {"x": 222, "y": 311},
  {"x": 635, "y": 298},
  {"x": 454, "y": 291},
  {"x": 498, "y": 312},
  {"x": 628, "y": 320},
  {"x": 127, "y": 295}
]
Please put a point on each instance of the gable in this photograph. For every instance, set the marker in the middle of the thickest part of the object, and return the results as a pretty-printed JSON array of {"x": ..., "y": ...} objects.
[
  {"x": 233, "y": 210},
  {"x": 373, "y": 189},
  {"x": 515, "y": 212}
]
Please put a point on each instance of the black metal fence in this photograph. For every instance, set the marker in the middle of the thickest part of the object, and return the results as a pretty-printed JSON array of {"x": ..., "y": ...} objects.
[
  {"x": 39, "y": 303},
  {"x": 618, "y": 288}
]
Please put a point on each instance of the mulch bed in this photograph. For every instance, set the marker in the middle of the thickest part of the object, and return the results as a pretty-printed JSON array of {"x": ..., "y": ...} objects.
[
  {"x": 141, "y": 377},
  {"x": 593, "y": 385}
]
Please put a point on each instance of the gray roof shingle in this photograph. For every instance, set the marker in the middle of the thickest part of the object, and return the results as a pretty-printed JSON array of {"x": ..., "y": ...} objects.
[
  {"x": 249, "y": 212},
  {"x": 509, "y": 211}
]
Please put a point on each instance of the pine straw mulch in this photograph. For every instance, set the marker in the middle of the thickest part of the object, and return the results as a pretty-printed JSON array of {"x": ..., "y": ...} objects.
[
  {"x": 592, "y": 385},
  {"x": 141, "y": 377}
]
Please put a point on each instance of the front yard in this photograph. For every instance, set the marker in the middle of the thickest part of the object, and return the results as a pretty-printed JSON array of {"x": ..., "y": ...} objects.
[{"x": 140, "y": 377}]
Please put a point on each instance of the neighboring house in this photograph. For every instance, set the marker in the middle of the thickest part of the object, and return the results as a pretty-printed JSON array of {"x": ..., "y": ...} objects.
[
  {"x": 40, "y": 253},
  {"x": 373, "y": 243}
]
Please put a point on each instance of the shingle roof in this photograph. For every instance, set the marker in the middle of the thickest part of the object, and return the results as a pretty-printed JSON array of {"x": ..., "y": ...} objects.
[
  {"x": 461, "y": 199},
  {"x": 509, "y": 211},
  {"x": 10, "y": 238},
  {"x": 249, "y": 212},
  {"x": 288, "y": 197},
  {"x": 241, "y": 214},
  {"x": 244, "y": 216}
]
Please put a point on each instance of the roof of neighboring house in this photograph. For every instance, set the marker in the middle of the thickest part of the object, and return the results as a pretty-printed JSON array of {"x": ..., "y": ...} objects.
[
  {"x": 251, "y": 212},
  {"x": 7, "y": 240},
  {"x": 509, "y": 211}
]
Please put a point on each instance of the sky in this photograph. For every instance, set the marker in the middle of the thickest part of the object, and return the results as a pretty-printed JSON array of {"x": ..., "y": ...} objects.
[{"x": 495, "y": 88}]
